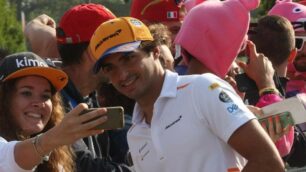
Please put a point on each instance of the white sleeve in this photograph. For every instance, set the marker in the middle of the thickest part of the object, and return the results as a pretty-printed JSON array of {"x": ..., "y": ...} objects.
[
  {"x": 7, "y": 158},
  {"x": 220, "y": 107}
]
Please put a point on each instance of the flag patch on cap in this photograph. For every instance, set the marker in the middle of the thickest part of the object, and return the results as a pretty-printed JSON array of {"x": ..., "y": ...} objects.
[{"x": 171, "y": 14}]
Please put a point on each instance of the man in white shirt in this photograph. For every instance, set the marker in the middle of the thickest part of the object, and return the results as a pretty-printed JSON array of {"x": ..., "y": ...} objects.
[{"x": 181, "y": 123}]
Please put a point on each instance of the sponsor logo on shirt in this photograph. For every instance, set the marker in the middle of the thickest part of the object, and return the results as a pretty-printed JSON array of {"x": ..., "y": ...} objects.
[
  {"x": 223, "y": 97},
  {"x": 233, "y": 170},
  {"x": 232, "y": 108},
  {"x": 213, "y": 86},
  {"x": 144, "y": 151},
  {"x": 174, "y": 122},
  {"x": 182, "y": 86}
]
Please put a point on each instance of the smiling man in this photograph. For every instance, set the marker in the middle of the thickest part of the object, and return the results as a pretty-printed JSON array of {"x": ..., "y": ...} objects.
[{"x": 177, "y": 124}]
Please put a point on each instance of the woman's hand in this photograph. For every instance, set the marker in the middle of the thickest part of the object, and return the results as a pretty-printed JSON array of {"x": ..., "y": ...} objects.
[{"x": 73, "y": 127}]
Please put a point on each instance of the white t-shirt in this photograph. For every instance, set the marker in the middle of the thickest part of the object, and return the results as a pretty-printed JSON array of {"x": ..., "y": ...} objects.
[
  {"x": 193, "y": 118},
  {"x": 7, "y": 158}
]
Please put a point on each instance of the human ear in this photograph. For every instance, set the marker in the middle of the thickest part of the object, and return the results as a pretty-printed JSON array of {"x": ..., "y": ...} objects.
[{"x": 156, "y": 52}]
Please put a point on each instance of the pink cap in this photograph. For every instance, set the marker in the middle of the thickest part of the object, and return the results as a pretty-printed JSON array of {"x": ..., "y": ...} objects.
[
  {"x": 213, "y": 32},
  {"x": 191, "y": 3},
  {"x": 294, "y": 12}
]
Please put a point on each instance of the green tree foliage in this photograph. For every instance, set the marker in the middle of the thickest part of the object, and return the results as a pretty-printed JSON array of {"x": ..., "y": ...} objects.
[
  {"x": 11, "y": 35},
  {"x": 264, "y": 7},
  {"x": 56, "y": 8},
  {"x": 118, "y": 7}
]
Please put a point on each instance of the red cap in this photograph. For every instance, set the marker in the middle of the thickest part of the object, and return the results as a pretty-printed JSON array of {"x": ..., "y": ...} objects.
[
  {"x": 79, "y": 23},
  {"x": 303, "y": 2},
  {"x": 156, "y": 10}
]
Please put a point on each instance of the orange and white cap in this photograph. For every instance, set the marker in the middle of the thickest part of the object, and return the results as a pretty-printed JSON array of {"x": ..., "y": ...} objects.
[{"x": 122, "y": 34}]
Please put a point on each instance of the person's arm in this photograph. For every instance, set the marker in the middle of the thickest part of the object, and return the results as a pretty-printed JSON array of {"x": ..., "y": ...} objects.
[
  {"x": 40, "y": 34},
  {"x": 26, "y": 149},
  {"x": 253, "y": 143},
  {"x": 7, "y": 158},
  {"x": 72, "y": 128},
  {"x": 260, "y": 69}
]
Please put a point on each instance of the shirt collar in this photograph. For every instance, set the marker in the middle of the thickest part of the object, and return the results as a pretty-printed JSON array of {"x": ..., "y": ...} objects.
[{"x": 169, "y": 89}]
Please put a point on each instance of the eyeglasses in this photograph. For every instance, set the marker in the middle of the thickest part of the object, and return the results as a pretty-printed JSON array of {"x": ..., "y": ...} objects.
[{"x": 299, "y": 42}]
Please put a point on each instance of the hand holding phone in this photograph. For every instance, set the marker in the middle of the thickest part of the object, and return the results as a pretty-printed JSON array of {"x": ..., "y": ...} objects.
[
  {"x": 115, "y": 118},
  {"x": 258, "y": 68},
  {"x": 277, "y": 125},
  {"x": 245, "y": 83}
]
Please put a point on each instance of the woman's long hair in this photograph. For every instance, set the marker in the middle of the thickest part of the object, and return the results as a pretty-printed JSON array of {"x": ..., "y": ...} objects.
[{"x": 62, "y": 158}]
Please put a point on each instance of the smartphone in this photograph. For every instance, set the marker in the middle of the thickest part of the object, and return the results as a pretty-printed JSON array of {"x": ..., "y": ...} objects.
[
  {"x": 284, "y": 117},
  {"x": 245, "y": 83},
  {"x": 115, "y": 118}
]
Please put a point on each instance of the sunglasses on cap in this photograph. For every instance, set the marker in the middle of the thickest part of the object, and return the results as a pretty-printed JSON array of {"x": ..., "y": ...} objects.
[
  {"x": 299, "y": 24},
  {"x": 299, "y": 42}
]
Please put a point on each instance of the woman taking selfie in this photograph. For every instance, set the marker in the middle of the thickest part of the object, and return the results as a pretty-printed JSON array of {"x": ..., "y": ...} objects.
[{"x": 34, "y": 133}]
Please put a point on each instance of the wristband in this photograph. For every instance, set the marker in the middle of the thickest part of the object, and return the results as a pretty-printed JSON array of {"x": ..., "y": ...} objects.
[
  {"x": 268, "y": 90},
  {"x": 37, "y": 147}
]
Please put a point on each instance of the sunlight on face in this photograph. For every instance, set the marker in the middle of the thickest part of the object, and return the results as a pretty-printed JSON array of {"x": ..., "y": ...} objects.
[{"x": 31, "y": 104}]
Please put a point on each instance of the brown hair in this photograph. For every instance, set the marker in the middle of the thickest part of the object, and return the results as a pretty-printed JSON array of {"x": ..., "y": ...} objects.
[
  {"x": 274, "y": 37},
  {"x": 161, "y": 34},
  {"x": 61, "y": 157}
]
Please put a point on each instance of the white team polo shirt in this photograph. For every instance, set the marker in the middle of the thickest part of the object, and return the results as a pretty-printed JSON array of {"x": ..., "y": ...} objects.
[{"x": 193, "y": 118}]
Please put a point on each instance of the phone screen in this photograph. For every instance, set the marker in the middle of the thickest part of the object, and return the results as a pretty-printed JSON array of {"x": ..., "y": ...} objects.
[{"x": 115, "y": 118}]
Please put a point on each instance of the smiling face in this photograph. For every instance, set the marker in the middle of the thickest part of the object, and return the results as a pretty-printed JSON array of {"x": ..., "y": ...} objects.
[
  {"x": 128, "y": 71},
  {"x": 138, "y": 75},
  {"x": 31, "y": 104}
]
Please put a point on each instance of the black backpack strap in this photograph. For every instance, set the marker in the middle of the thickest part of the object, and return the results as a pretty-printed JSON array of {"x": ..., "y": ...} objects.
[{"x": 296, "y": 157}]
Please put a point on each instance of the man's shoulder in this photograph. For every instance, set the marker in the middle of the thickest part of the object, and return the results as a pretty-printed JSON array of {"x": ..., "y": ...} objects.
[
  {"x": 206, "y": 78},
  {"x": 2, "y": 139}
]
